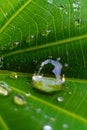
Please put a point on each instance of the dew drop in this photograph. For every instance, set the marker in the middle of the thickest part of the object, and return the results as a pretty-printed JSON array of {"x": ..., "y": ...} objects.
[
  {"x": 4, "y": 89},
  {"x": 47, "y": 127},
  {"x": 78, "y": 22},
  {"x": 19, "y": 99},
  {"x": 13, "y": 75},
  {"x": 65, "y": 126},
  {"x": 50, "y": 1},
  {"x": 60, "y": 99}
]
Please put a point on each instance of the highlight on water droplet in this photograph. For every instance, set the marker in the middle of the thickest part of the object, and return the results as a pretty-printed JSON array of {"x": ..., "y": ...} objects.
[
  {"x": 47, "y": 127},
  {"x": 19, "y": 100},
  {"x": 60, "y": 99},
  {"x": 78, "y": 22},
  {"x": 4, "y": 88},
  {"x": 13, "y": 75},
  {"x": 50, "y": 1}
]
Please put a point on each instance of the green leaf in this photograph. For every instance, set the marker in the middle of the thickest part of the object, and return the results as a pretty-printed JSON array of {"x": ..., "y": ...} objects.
[
  {"x": 30, "y": 32},
  {"x": 43, "y": 109}
]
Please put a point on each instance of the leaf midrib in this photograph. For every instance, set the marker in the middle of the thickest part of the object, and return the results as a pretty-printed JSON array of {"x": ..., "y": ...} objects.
[
  {"x": 14, "y": 15},
  {"x": 68, "y": 40}
]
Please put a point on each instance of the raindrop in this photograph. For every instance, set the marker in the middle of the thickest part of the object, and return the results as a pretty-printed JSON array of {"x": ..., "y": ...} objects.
[
  {"x": 47, "y": 127},
  {"x": 78, "y": 22},
  {"x": 50, "y": 1},
  {"x": 13, "y": 75},
  {"x": 4, "y": 89},
  {"x": 65, "y": 126},
  {"x": 60, "y": 99},
  {"x": 19, "y": 99}
]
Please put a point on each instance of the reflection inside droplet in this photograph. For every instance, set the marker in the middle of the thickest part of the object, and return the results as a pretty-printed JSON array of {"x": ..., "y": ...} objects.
[{"x": 78, "y": 22}]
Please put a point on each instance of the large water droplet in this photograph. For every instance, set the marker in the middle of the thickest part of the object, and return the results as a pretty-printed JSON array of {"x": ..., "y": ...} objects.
[
  {"x": 19, "y": 99},
  {"x": 47, "y": 127},
  {"x": 4, "y": 89},
  {"x": 50, "y": 1},
  {"x": 60, "y": 99},
  {"x": 78, "y": 22},
  {"x": 13, "y": 75}
]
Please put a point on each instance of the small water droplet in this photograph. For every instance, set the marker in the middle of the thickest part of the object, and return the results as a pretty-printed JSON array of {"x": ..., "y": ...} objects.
[
  {"x": 65, "y": 126},
  {"x": 38, "y": 110},
  {"x": 47, "y": 127},
  {"x": 13, "y": 75},
  {"x": 61, "y": 7},
  {"x": 19, "y": 99},
  {"x": 52, "y": 119},
  {"x": 4, "y": 89},
  {"x": 76, "y": 6},
  {"x": 70, "y": 93},
  {"x": 60, "y": 99},
  {"x": 16, "y": 43},
  {"x": 30, "y": 38},
  {"x": 28, "y": 94},
  {"x": 66, "y": 65},
  {"x": 78, "y": 22},
  {"x": 46, "y": 32},
  {"x": 50, "y": 1}
]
